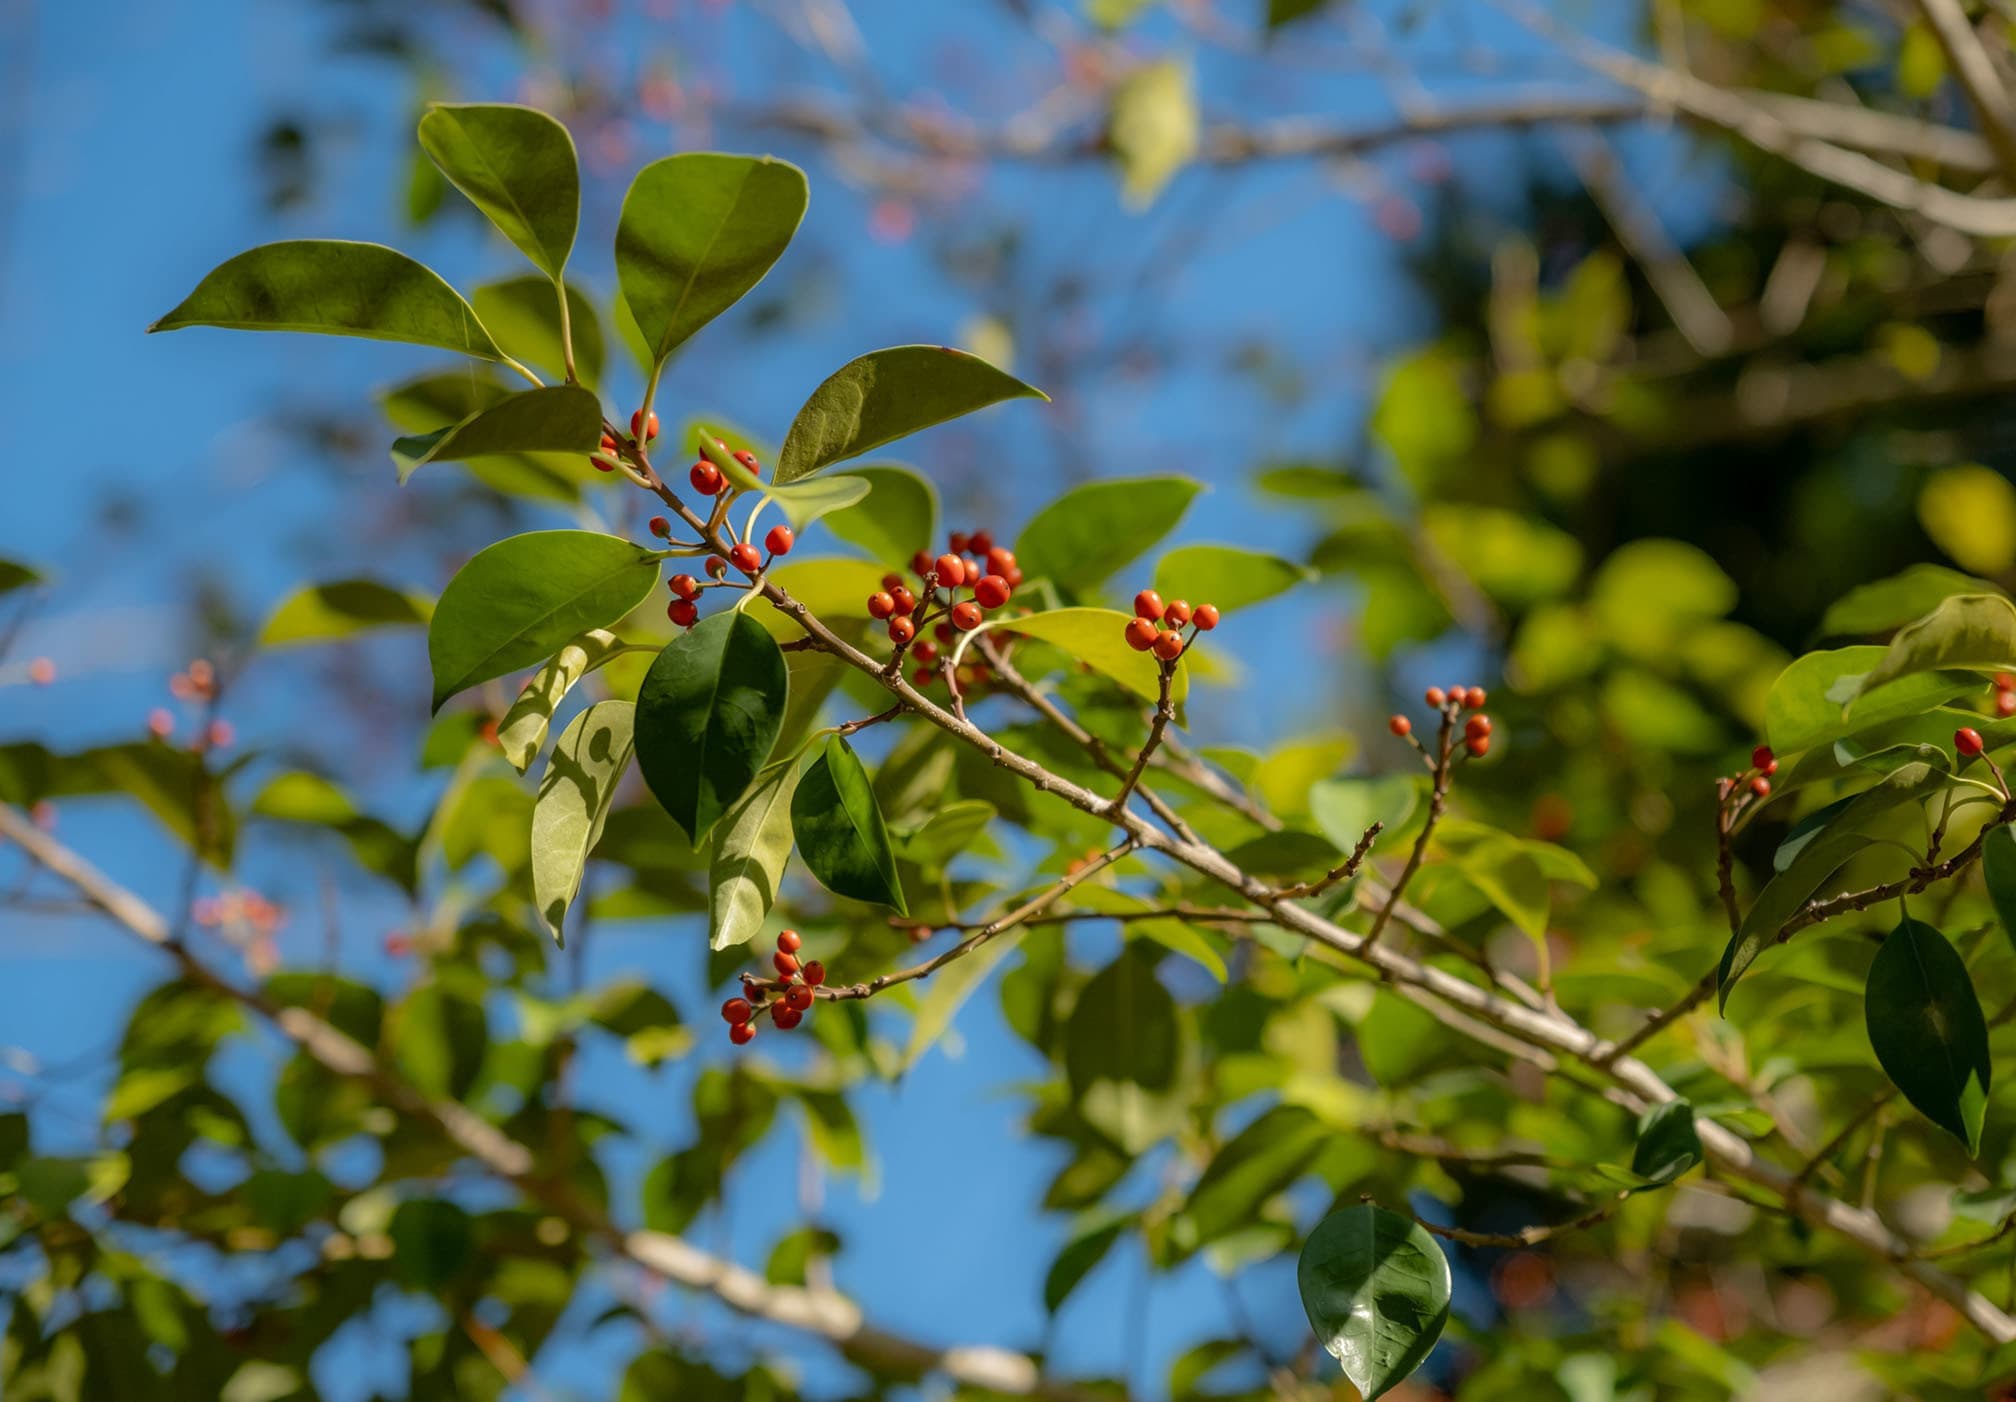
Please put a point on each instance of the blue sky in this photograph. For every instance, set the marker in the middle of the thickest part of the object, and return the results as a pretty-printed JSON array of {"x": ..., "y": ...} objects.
[{"x": 140, "y": 467}]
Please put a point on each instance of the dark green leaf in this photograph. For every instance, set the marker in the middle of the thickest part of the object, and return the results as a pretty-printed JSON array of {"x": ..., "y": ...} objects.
[
  {"x": 749, "y": 857},
  {"x": 439, "y": 1039},
  {"x": 556, "y": 419},
  {"x": 1376, "y": 1287},
  {"x": 1280, "y": 12},
  {"x": 342, "y": 609},
  {"x": 518, "y": 601},
  {"x": 1257, "y": 1163},
  {"x": 432, "y": 1241},
  {"x": 1668, "y": 1143},
  {"x": 886, "y": 395},
  {"x": 1082, "y": 537},
  {"x": 14, "y": 575},
  {"x": 1926, "y": 1027},
  {"x": 334, "y": 288},
  {"x": 1998, "y": 870},
  {"x": 574, "y": 796},
  {"x": 696, "y": 233},
  {"x": 515, "y": 164},
  {"x": 1085, "y": 1250},
  {"x": 708, "y": 713},
  {"x": 839, "y": 829},
  {"x": 1891, "y": 603}
]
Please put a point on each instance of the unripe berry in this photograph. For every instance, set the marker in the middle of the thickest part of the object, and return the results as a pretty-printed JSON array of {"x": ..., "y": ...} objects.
[
  {"x": 1400, "y": 725},
  {"x": 787, "y": 964},
  {"x": 1178, "y": 612},
  {"x": 742, "y": 1033},
  {"x": 1967, "y": 740},
  {"x": 684, "y": 585},
  {"x": 779, "y": 540},
  {"x": 706, "y": 478},
  {"x": 880, "y": 605},
  {"x": 1761, "y": 786},
  {"x": 660, "y": 527},
  {"x": 785, "y": 1018},
  {"x": 1001, "y": 562},
  {"x": 951, "y": 571},
  {"x": 1761, "y": 756},
  {"x": 1141, "y": 634},
  {"x": 991, "y": 591},
  {"x": 1477, "y": 725},
  {"x": 968, "y": 616},
  {"x": 1474, "y": 698},
  {"x": 901, "y": 629},
  {"x": 1207, "y": 617},
  {"x": 788, "y": 941},
  {"x": 745, "y": 558},
  {"x": 683, "y": 612},
  {"x": 1168, "y": 646},
  {"x": 798, "y": 998},
  {"x": 1148, "y": 604},
  {"x": 1478, "y": 746},
  {"x": 717, "y": 567},
  {"x": 814, "y": 973},
  {"x": 906, "y": 602},
  {"x": 736, "y": 1010}
]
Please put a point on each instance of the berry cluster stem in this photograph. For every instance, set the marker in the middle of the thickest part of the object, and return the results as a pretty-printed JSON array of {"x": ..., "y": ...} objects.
[{"x": 1165, "y": 711}]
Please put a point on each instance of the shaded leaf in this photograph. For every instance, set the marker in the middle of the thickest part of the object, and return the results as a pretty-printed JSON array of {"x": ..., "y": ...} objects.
[
  {"x": 1976, "y": 631},
  {"x": 839, "y": 829},
  {"x": 1084, "y": 536},
  {"x": 898, "y": 518},
  {"x": 556, "y": 419},
  {"x": 523, "y": 316},
  {"x": 342, "y": 608},
  {"x": 708, "y": 713},
  {"x": 1376, "y": 1288},
  {"x": 523, "y": 729},
  {"x": 1668, "y": 1143},
  {"x": 1926, "y": 1027},
  {"x": 517, "y": 165}
]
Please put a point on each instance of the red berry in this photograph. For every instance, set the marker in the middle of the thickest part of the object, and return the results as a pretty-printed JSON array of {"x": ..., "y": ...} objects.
[
  {"x": 798, "y": 998},
  {"x": 901, "y": 629},
  {"x": 749, "y": 460},
  {"x": 968, "y": 616},
  {"x": 814, "y": 973},
  {"x": 736, "y": 1010},
  {"x": 1435, "y": 697},
  {"x": 160, "y": 723},
  {"x": 943, "y": 632},
  {"x": 1761, "y": 756},
  {"x": 220, "y": 735},
  {"x": 1001, "y": 562},
  {"x": 951, "y": 571},
  {"x": 1771, "y": 768},
  {"x": 1477, "y": 725},
  {"x": 923, "y": 677},
  {"x": 602, "y": 465},
  {"x": 880, "y": 605},
  {"x": 1141, "y": 634},
  {"x": 2005, "y": 703},
  {"x": 992, "y": 591},
  {"x": 925, "y": 651},
  {"x": 716, "y": 567},
  {"x": 1761, "y": 786},
  {"x": 892, "y": 582},
  {"x": 742, "y": 1033},
  {"x": 906, "y": 602},
  {"x": 980, "y": 542},
  {"x": 779, "y": 540},
  {"x": 785, "y": 1018},
  {"x": 921, "y": 563},
  {"x": 1207, "y": 617},
  {"x": 960, "y": 542},
  {"x": 787, "y": 964},
  {"x": 683, "y": 612},
  {"x": 608, "y": 444},
  {"x": 706, "y": 478},
  {"x": 660, "y": 527},
  {"x": 1478, "y": 746},
  {"x": 684, "y": 585},
  {"x": 788, "y": 941},
  {"x": 1148, "y": 604},
  {"x": 745, "y": 558},
  {"x": 643, "y": 426},
  {"x": 1400, "y": 725},
  {"x": 1178, "y": 612},
  {"x": 1967, "y": 740},
  {"x": 1168, "y": 646},
  {"x": 1474, "y": 698}
]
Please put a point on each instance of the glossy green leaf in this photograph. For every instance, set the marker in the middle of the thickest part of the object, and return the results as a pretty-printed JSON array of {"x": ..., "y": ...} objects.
[
  {"x": 708, "y": 713},
  {"x": 898, "y": 518},
  {"x": 839, "y": 829},
  {"x": 580, "y": 782},
  {"x": 523, "y": 729},
  {"x": 889, "y": 394},
  {"x": 805, "y": 502},
  {"x": 517, "y": 165},
  {"x": 750, "y": 854},
  {"x": 1974, "y": 631},
  {"x": 523, "y": 316},
  {"x": 1080, "y": 539},
  {"x": 1998, "y": 871},
  {"x": 1123, "y": 1052},
  {"x": 519, "y": 601},
  {"x": 342, "y": 608},
  {"x": 556, "y": 419},
  {"x": 1927, "y": 1030},
  {"x": 1890, "y": 603},
  {"x": 697, "y": 232},
  {"x": 1376, "y": 1288},
  {"x": 1097, "y": 637},
  {"x": 333, "y": 287},
  {"x": 1668, "y": 1143},
  {"x": 1804, "y": 707},
  {"x": 1224, "y": 575}
]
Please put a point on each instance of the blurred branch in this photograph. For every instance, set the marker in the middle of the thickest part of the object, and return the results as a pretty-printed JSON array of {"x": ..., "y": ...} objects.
[{"x": 1976, "y": 75}]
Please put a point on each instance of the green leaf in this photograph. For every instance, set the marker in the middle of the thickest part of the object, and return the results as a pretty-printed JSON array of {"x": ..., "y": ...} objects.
[
  {"x": 1926, "y": 1027},
  {"x": 1123, "y": 1050},
  {"x": 574, "y": 796},
  {"x": 1224, "y": 575},
  {"x": 1097, "y": 637},
  {"x": 1974, "y": 631},
  {"x": 749, "y": 857},
  {"x": 523, "y": 316},
  {"x": 332, "y": 287},
  {"x": 14, "y": 575},
  {"x": 898, "y": 518},
  {"x": 520, "y": 600},
  {"x": 1080, "y": 1255},
  {"x": 556, "y": 419},
  {"x": 839, "y": 828},
  {"x": 708, "y": 713},
  {"x": 1280, "y": 12},
  {"x": 432, "y": 1241},
  {"x": 1260, "y": 1161},
  {"x": 439, "y": 1039},
  {"x": 1668, "y": 1143},
  {"x": 1345, "y": 808},
  {"x": 697, "y": 232},
  {"x": 890, "y": 394},
  {"x": 515, "y": 164},
  {"x": 523, "y": 729},
  {"x": 1153, "y": 128},
  {"x": 805, "y": 502},
  {"x": 1891, "y": 603},
  {"x": 1998, "y": 870},
  {"x": 1082, "y": 537},
  {"x": 1376, "y": 1287},
  {"x": 342, "y": 608},
  {"x": 1804, "y": 706}
]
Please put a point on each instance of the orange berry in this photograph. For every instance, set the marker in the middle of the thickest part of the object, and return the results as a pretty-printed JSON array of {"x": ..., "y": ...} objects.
[
  {"x": 684, "y": 585},
  {"x": 901, "y": 629},
  {"x": 779, "y": 540},
  {"x": 1474, "y": 698},
  {"x": 1435, "y": 697},
  {"x": 798, "y": 998},
  {"x": 880, "y": 605},
  {"x": 991, "y": 591},
  {"x": 717, "y": 567},
  {"x": 959, "y": 542},
  {"x": 951, "y": 571},
  {"x": 1141, "y": 634},
  {"x": 660, "y": 527},
  {"x": 742, "y": 1033},
  {"x": 683, "y": 612},
  {"x": 788, "y": 941},
  {"x": 1148, "y": 604},
  {"x": 706, "y": 479},
  {"x": 2005, "y": 703},
  {"x": 785, "y": 1018},
  {"x": 1761, "y": 786},
  {"x": 1400, "y": 725},
  {"x": 1477, "y": 725},
  {"x": 1761, "y": 756},
  {"x": 814, "y": 973},
  {"x": 1478, "y": 746},
  {"x": 1178, "y": 612},
  {"x": 892, "y": 582},
  {"x": 745, "y": 558},
  {"x": 923, "y": 677},
  {"x": 1207, "y": 617},
  {"x": 787, "y": 964},
  {"x": 42, "y": 671},
  {"x": 736, "y": 1010},
  {"x": 1168, "y": 646},
  {"x": 1001, "y": 562},
  {"x": 921, "y": 563},
  {"x": 968, "y": 616},
  {"x": 602, "y": 464},
  {"x": 1967, "y": 740}
]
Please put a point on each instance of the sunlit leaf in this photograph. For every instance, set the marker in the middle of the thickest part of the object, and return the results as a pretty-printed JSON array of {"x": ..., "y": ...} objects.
[
  {"x": 587, "y": 763},
  {"x": 556, "y": 419},
  {"x": 517, "y": 165},
  {"x": 1081, "y": 538},
  {"x": 750, "y": 854},
  {"x": 709, "y": 711},
  {"x": 342, "y": 608}
]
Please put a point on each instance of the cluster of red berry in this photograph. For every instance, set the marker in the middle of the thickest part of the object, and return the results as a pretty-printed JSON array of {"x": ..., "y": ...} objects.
[
  {"x": 643, "y": 428},
  {"x": 710, "y": 481},
  {"x": 707, "y": 479},
  {"x": 1757, "y": 778},
  {"x": 991, "y": 575},
  {"x": 1455, "y": 699},
  {"x": 1158, "y": 627},
  {"x": 787, "y": 998}
]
